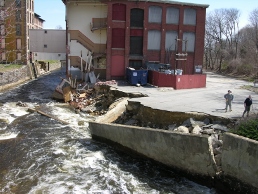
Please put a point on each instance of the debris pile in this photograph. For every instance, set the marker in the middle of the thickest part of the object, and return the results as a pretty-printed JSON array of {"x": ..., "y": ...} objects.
[{"x": 86, "y": 97}]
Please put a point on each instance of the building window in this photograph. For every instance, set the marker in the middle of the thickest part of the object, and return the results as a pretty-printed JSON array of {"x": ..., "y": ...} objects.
[
  {"x": 18, "y": 57},
  {"x": 118, "y": 38},
  {"x": 2, "y": 30},
  {"x": 18, "y": 43},
  {"x": 45, "y": 46},
  {"x": 136, "y": 45},
  {"x": 2, "y": 2},
  {"x": 18, "y": 29},
  {"x": 155, "y": 14},
  {"x": 189, "y": 41},
  {"x": 136, "y": 64},
  {"x": 2, "y": 15},
  {"x": 32, "y": 5},
  {"x": 18, "y": 3},
  {"x": 172, "y": 15},
  {"x": 3, "y": 43},
  {"x": 189, "y": 16},
  {"x": 137, "y": 18},
  {"x": 118, "y": 12},
  {"x": 171, "y": 37},
  {"x": 18, "y": 15},
  {"x": 3, "y": 56},
  {"x": 154, "y": 38}
]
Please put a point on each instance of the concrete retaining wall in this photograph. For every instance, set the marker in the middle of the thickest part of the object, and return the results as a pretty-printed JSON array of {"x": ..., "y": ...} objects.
[
  {"x": 183, "y": 151},
  {"x": 240, "y": 158},
  {"x": 190, "y": 153}
]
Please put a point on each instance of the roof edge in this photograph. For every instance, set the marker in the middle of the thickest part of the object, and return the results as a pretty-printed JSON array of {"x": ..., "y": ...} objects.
[{"x": 155, "y": 1}]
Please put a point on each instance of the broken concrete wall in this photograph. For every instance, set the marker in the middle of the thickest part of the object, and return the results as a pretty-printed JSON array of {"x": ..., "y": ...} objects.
[
  {"x": 240, "y": 158},
  {"x": 161, "y": 117},
  {"x": 183, "y": 151}
]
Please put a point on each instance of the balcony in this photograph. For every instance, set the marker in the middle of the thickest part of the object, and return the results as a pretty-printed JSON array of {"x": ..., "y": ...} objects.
[{"x": 98, "y": 23}]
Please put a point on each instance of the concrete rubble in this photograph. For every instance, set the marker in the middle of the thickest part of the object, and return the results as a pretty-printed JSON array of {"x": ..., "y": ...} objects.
[
  {"x": 91, "y": 98},
  {"x": 190, "y": 126}
]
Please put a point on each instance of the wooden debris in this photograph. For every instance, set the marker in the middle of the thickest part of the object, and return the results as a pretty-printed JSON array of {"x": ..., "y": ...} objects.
[{"x": 45, "y": 114}]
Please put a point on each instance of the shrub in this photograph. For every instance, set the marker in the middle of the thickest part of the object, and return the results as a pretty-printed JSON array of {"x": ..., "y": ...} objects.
[
  {"x": 244, "y": 69},
  {"x": 248, "y": 128},
  {"x": 9, "y": 67}
]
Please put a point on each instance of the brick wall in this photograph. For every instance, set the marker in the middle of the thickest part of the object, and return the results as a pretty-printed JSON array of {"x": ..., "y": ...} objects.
[{"x": 195, "y": 58}]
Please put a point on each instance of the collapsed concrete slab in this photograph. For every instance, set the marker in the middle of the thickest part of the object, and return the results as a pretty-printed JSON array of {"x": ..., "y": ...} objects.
[{"x": 193, "y": 154}]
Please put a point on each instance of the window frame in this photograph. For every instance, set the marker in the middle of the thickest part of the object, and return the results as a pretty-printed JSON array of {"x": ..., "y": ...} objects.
[
  {"x": 188, "y": 17},
  {"x": 151, "y": 38},
  {"x": 152, "y": 17}
]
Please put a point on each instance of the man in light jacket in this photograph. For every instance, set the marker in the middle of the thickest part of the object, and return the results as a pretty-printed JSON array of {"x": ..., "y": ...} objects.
[{"x": 229, "y": 98}]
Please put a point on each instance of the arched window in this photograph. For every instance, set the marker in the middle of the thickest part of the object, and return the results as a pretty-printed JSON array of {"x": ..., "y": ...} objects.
[
  {"x": 137, "y": 17},
  {"x": 172, "y": 15},
  {"x": 118, "y": 12},
  {"x": 155, "y": 14}
]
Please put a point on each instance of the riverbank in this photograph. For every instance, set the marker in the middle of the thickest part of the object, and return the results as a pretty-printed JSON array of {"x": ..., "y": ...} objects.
[{"x": 18, "y": 76}]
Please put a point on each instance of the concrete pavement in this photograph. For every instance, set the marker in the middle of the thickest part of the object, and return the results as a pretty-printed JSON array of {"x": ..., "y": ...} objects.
[{"x": 209, "y": 100}]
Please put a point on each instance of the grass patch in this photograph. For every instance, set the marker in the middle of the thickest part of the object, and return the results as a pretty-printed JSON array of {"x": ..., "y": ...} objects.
[
  {"x": 248, "y": 128},
  {"x": 50, "y": 61},
  {"x": 9, "y": 67}
]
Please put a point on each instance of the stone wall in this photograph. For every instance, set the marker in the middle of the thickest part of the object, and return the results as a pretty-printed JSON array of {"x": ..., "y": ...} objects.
[
  {"x": 18, "y": 76},
  {"x": 15, "y": 77}
]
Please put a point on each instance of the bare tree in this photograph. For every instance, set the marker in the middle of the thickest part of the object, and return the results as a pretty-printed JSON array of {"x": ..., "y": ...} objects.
[
  {"x": 59, "y": 27},
  {"x": 221, "y": 40},
  {"x": 231, "y": 31},
  {"x": 253, "y": 18}
]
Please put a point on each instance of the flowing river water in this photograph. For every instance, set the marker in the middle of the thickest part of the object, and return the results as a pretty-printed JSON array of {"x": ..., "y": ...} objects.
[{"x": 41, "y": 155}]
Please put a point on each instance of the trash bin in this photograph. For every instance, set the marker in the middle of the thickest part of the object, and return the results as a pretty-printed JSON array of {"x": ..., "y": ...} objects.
[{"x": 137, "y": 76}]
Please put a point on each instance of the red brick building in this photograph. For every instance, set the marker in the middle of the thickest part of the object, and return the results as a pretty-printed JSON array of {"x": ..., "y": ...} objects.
[{"x": 140, "y": 32}]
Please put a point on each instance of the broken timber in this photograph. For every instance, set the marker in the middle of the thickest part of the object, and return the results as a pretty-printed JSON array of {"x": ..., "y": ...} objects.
[{"x": 50, "y": 116}]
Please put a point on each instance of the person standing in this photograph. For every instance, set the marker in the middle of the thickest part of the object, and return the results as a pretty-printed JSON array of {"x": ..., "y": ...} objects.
[
  {"x": 248, "y": 103},
  {"x": 229, "y": 98}
]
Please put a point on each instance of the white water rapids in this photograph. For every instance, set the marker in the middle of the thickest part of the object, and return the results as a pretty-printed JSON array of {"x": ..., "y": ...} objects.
[{"x": 41, "y": 155}]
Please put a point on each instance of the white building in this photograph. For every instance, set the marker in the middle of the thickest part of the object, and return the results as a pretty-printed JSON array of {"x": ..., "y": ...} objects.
[{"x": 47, "y": 44}]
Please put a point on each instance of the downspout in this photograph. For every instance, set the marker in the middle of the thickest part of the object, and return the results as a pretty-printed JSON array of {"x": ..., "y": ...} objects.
[{"x": 66, "y": 40}]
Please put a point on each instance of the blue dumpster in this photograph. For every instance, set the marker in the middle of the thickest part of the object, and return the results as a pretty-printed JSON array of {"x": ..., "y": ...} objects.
[{"x": 137, "y": 76}]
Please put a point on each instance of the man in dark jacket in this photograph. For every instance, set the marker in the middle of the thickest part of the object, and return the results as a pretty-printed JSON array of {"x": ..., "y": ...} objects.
[{"x": 248, "y": 103}]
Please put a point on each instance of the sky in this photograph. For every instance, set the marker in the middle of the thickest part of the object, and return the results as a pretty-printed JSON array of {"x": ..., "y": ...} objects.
[{"x": 53, "y": 11}]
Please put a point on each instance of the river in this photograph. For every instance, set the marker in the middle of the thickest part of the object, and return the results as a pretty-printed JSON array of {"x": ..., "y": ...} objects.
[{"x": 41, "y": 155}]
